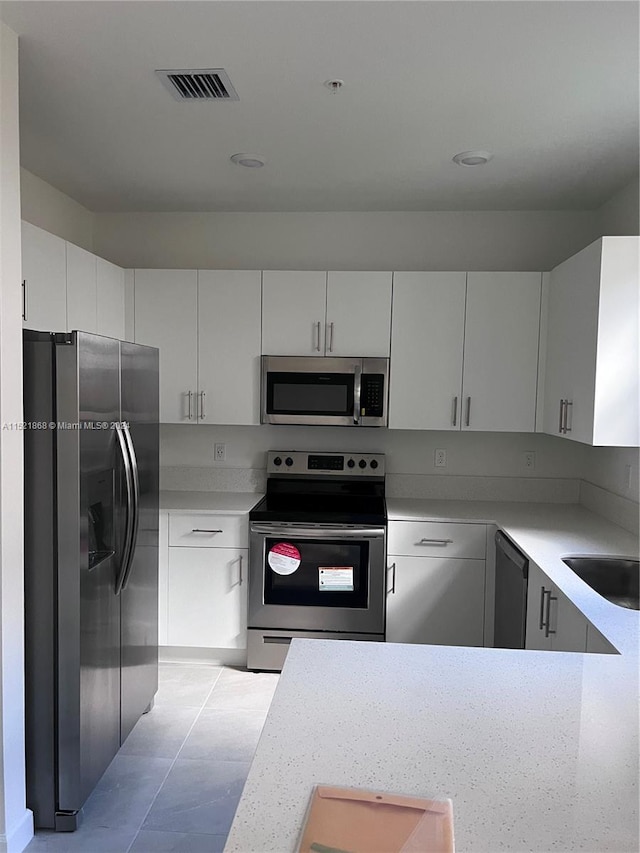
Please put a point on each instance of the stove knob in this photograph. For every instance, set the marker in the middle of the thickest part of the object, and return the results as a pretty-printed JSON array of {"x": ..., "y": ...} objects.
[
  {"x": 288, "y": 462},
  {"x": 277, "y": 461},
  {"x": 351, "y": 463},
  {"x": 362, "y": 463},
  {"x": 374, "y": 463}
]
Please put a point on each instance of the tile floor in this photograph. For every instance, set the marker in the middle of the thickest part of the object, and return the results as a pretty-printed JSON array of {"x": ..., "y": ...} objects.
[{"x": 175, "y": 784}]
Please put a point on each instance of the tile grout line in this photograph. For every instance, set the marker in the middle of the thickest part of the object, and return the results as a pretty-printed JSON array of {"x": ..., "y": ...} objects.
[{"x": 197, "y": 717}]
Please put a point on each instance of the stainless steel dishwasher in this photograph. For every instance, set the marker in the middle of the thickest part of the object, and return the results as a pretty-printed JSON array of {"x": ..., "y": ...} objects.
[{"x": 512, "y": 575}]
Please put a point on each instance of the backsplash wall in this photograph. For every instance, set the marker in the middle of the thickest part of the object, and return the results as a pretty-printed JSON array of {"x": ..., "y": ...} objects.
[
  {"x": 481, "y": 466},
  {"x": 407, "y": 451}
]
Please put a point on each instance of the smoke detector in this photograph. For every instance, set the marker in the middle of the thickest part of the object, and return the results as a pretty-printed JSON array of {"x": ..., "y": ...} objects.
[
  {"x": 204, "y": 84},
  {"x": 472, "y": 158},
  {"x": 334, "y": 85}
]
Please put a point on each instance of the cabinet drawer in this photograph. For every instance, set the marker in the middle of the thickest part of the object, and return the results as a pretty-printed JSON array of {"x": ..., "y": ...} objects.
[
  {"x": 207, "y": 530},
  {"x": 441, "y": 539}
]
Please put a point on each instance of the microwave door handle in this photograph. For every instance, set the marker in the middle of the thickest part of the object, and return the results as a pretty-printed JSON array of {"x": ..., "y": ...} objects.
[{"x": 357, "y": 391}]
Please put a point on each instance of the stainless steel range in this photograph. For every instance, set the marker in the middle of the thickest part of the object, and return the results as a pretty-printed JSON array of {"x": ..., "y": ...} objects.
[{"x": 317, "y": 553}]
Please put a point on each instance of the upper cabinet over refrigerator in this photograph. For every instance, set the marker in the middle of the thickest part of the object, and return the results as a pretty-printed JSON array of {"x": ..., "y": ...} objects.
[{"x": 326, "y": 314}]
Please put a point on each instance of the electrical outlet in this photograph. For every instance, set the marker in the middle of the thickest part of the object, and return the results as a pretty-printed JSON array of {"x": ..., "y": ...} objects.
[
  {"x": 220, "y": 452},
  {"x": 440, "y": 458},
  {"x": 529, "y": 459}
]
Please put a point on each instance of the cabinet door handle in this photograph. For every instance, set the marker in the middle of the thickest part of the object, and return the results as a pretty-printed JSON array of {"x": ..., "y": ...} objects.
[
  {"x": 455, "y": 411},
  {"x": 204, "y": 530},
  {"x": 561, "y": 421},
  {"x": 468, "y": 418},
  {"x": 190, "y": 410},
  {"x": 240, "y": 572},
  {"x": 330, "y": 337},
  {"x": 543, "y": 593},
  {"x": 547, "y": 627},
  {"x": 567, "y": 403},
  {"x": 202, "y": 412},
  {"x": 392, "y": 569},
  {"x": 24, "y": 299},
  {"x": 317, "y": 325},
  {"x": 435, "y": 542}
]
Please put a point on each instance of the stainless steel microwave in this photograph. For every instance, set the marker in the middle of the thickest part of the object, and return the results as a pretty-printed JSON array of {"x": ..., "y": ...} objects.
[{"x": 324, "y": 391}]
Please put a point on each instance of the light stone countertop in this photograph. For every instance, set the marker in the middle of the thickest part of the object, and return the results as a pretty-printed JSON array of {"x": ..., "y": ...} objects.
[
  {"x": 537, "y": 750},
  {"x": 546, "y": 533},
  {"x": 220, "y": 502}
]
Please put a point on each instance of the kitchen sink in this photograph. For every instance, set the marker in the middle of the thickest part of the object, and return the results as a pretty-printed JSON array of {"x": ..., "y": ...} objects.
[{"x": 614, "y": 578}]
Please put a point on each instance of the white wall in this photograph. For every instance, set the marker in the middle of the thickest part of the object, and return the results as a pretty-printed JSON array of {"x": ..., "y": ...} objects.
[
  {"x": 620, "y": 216},
  {"x": 52, "y": 210},
  {"x": 436, "y": 240},
  {"x": 408, "y": 451},
  {"x": 16, "y": 822}
]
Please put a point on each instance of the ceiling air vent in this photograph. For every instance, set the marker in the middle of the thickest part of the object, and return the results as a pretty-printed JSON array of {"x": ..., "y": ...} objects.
[{"x": 204, "y": 84}]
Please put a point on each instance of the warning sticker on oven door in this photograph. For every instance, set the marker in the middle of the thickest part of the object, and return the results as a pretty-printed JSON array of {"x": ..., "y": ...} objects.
[
  {"x": 335, "y": 578},
  {"x": 283, "y": 558}
]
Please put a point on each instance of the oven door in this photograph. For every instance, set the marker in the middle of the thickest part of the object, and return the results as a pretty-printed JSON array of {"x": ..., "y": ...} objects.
[{"x": 317, "y": 578}]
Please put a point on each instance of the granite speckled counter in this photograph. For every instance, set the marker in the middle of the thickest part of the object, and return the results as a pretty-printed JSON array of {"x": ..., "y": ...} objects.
[{"x": 537, "y": 750}]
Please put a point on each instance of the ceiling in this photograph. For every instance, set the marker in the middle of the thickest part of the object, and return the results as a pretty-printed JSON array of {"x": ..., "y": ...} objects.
[{"x": 550, "y": 88}]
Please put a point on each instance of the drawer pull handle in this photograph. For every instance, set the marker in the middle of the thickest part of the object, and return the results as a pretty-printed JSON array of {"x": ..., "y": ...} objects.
[
  {"x": 204, "y": 530},
  {"x": 435, "y": 542}
]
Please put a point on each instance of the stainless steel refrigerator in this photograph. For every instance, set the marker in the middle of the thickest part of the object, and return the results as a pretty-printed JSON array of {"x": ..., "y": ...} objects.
[{"x": 91, "y": 560}]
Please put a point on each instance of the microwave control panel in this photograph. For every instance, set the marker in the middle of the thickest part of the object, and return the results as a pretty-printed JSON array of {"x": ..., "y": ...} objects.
[{"x": 372, "y": 395}]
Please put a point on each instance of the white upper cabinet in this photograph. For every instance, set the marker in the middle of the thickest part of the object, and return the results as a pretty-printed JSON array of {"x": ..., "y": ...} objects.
[
  {"x": 81, "y": 289},
  {"x": 206, "y": 324},
  {"x": 358, "y": 319},
  {"x": 592, "y": 387},
  {"x": 464, "y": 351},
  {"x": 110, "y": 300},
  {"x": 427, "y": 335},
  {"x": 229, "y": 346},
  {"x": 500, "y": 371},
  {"x": 44, "y": 272},
  {"x": 166, "y": 316},
  {"x": 68, "y": 288},
  {"x": 326, "y": 314},
  {"x": 293, "y": 312}
]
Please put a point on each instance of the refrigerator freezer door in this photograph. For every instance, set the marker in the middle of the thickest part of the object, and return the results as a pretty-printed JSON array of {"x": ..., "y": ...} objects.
[
  {"x": 89, "y": 542},
  {"x": 139, "y": 596}
]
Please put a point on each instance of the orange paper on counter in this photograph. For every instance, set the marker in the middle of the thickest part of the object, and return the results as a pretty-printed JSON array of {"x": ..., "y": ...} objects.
[{"x": 351, "y": 820}]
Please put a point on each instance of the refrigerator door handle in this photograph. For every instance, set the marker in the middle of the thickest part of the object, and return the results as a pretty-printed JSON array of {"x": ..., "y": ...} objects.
[
  {"x": 136, "y": 504},
  {"x": 128, "y": 477}
]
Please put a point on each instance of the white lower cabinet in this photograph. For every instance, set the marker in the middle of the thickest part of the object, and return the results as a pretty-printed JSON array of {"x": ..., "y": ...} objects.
[
  {"x": 553, "y": 622},
  {"x": 598, "y": 644},
  {"x": 203, "y": 566},
  {"x": 207, "y": 597},
  {"x": 434, "y": 598}
]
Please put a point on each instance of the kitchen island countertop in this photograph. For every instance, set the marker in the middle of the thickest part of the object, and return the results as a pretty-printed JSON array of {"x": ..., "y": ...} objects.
[{"x": 537, "y": 750}]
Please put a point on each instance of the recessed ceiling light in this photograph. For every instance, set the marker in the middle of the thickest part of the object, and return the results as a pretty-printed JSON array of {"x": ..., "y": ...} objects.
[
  {"x": 251, "y": 161},
  {"x": 472, "y": 158}
]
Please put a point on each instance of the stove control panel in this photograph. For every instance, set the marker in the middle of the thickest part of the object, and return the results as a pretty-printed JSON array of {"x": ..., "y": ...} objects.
[{"x": 303, "y": 463}]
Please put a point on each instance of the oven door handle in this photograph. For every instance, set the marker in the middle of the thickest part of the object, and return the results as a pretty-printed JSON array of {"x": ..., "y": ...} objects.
[{"x": 320, "y": 532}]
